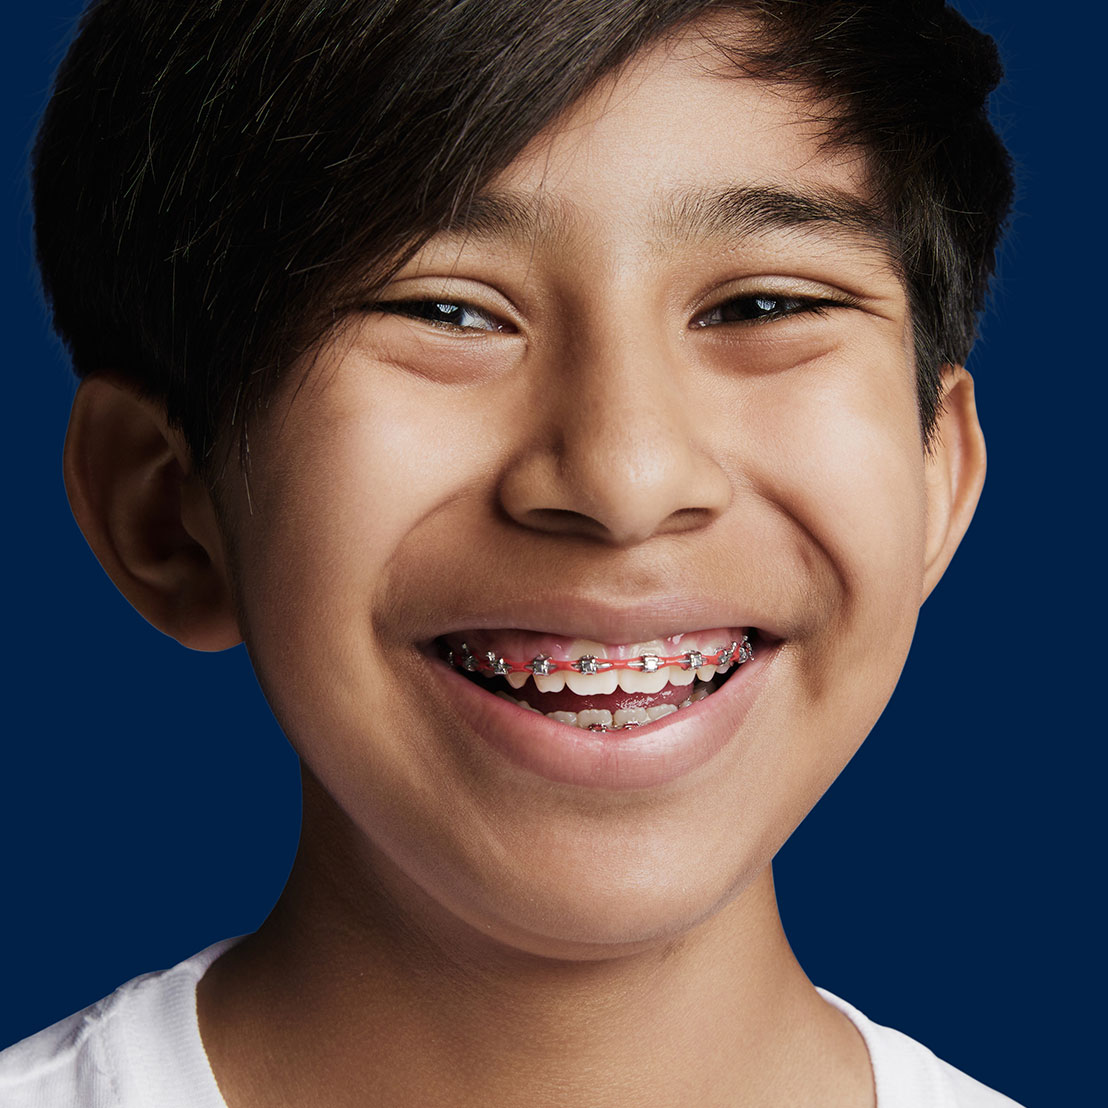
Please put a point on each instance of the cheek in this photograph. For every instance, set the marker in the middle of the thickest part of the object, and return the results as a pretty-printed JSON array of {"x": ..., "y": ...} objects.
[
  {"x": 861, "y": 496},
  {"x": 343, "y": 478},
  {"x": 352, "y": 472},
  {"x": 849, "y": 450},
  {"x": 351, "y": 482},
  {"x": 838, "y": 462},
  {"x": 841, "y": 459}
]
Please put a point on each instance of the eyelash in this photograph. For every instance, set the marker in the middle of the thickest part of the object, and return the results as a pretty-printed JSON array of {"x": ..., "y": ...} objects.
[
  {"x": 422, "y": 309},
  {"x": 758, "y": 308},
  {"x": 766, "y": 307}
]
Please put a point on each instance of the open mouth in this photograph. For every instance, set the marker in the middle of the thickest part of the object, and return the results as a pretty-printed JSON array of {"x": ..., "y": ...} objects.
[{"x": 598, "y": 686}]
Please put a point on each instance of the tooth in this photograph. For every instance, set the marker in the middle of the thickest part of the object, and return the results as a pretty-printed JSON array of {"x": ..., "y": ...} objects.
[
  {"x": 589, "y": 684},
  {"x": 517, "y": 680},
  {"x": 630, "y": 715},
  {"x": 497, "y": 666},
  {"x": 554, "y": 682},
  {"x": 699, "y": 694},
  {"x": 660, "y": 711},
  {"x": 678, "y": 676},
  {"x": 686, "y": 703},
  {"x": 541, "y": 663},
  {"x": 592, "y": 716},
  {"x": 563, "y": 717},
  {"x": 704, "y": 673},
  {"x": 635, "y": 680},
  {"x": 595, "y": 684}
]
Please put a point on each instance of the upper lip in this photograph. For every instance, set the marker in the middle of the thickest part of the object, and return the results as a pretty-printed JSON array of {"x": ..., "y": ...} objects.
[{"x": 639, "y": 619}]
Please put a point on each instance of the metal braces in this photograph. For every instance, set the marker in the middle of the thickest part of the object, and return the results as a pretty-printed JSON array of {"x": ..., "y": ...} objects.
[{"x": 542, "y": 665}]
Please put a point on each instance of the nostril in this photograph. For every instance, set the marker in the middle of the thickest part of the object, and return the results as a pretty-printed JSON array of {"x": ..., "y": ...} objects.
[
  {"x": 562, "y": 521},
  {"x": 687, "y": 519}
]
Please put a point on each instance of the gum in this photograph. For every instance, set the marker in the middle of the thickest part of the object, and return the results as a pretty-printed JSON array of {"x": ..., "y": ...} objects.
[{"x": 518, "y": 648}]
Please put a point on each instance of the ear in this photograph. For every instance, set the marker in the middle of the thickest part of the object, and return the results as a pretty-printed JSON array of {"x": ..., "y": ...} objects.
[
  {"x": 955, "y": 474},
  {"x": 148, "y": 517}
]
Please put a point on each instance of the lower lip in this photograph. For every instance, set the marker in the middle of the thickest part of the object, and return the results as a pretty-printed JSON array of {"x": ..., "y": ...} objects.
[{"x": 637, "y": 758}]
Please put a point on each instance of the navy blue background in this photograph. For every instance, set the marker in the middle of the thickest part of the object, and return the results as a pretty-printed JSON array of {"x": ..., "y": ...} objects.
[{"x": 946, "y": 885}]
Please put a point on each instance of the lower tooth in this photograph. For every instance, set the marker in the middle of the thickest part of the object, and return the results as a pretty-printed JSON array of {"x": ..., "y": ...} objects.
[
  {"x": 518, "y": 703},
  {"x": 600, "y": 717},
  {"x": 593, "y": 716}
]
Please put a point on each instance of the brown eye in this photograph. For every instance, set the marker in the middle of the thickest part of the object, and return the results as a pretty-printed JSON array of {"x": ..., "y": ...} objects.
[
  {"x": 444, "y": 313},
  {"x": 762, "y": 307}
]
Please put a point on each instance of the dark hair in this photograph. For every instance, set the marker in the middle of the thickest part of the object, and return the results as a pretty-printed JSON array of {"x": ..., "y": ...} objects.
[{"x": 210, "y": 176}]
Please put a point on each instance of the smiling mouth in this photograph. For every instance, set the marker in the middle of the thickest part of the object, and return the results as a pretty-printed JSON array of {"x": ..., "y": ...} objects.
[{"x": 596, "y": 686}]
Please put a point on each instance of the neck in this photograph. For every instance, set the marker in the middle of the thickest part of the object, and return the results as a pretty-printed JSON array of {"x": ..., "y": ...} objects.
[{"x": 368, "y": 992}]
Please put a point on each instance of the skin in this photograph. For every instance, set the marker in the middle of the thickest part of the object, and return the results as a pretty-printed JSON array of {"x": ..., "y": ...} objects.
[{"x": 527, "y": 943}]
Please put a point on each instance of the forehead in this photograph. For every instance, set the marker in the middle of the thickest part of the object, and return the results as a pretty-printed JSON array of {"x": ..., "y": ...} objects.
[{"x": 679, "y": 146}]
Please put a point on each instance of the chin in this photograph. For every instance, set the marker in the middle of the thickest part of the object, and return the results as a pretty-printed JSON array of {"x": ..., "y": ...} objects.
[{"x": 595, "y": 905}]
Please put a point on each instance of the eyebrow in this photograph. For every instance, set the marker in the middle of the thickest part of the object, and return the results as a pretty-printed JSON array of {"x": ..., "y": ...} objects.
[
  {"x": 763, "y": 209},
  {"x": 695, "y": 213},
  {"x": 511, "y": 215}
]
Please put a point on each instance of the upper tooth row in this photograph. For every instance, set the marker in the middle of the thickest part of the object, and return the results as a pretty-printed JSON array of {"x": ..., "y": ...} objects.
[{"x": 647, "y": 673}]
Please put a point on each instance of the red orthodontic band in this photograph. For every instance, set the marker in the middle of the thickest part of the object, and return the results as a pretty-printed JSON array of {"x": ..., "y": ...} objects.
[{"x": 543, "y": 665}]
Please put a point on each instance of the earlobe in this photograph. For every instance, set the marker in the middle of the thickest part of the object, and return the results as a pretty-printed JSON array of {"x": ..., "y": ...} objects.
[
  {"x": 955, "y": 474},
  {"x": 147, "y": 516}
]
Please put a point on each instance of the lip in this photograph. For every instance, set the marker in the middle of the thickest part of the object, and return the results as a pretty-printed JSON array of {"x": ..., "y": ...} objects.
[
  {"x": 580, "y": 616},
  {"x": 645, "y": 757}
]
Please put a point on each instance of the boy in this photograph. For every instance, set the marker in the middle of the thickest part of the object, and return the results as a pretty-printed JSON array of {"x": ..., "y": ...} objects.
[{"x": 563, "y": 401}]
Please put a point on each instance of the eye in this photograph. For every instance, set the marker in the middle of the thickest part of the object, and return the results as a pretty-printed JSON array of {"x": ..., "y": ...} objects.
[
  {"x": 449, "y": 314},
  {"x": 763, "y": 307}
]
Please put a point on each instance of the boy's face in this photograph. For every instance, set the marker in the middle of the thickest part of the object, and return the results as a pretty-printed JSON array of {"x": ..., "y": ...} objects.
[{"x": 672, "y": 405}]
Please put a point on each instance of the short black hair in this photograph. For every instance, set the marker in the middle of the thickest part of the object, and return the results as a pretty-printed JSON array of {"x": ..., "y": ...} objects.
[{"x": 212, "y": 178}]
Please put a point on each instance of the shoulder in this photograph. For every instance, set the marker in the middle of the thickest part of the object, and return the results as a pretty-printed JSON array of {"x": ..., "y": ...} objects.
[
  {"x": 908, "y": 1075},
  {"x": 119, "y": 1052},
  {"x": 65, "y": 1064}
]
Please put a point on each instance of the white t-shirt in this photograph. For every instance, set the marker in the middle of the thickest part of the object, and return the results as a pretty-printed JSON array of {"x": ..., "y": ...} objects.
[{"x": 141, "y": 1048}]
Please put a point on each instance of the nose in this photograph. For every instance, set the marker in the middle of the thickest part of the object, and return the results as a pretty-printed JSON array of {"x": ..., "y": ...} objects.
[{"x": 620, "y": 454}]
